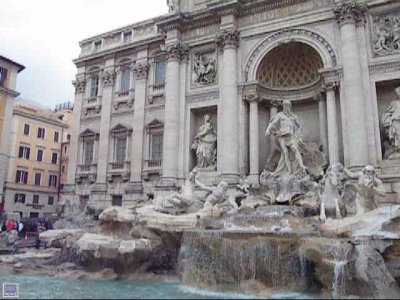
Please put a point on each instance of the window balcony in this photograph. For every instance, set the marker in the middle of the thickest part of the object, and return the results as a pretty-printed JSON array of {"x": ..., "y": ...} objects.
[
  {"x": 152, "y": 166},
  {"x": 119, "y": 169},
  {"x": 86, "y": 172}
]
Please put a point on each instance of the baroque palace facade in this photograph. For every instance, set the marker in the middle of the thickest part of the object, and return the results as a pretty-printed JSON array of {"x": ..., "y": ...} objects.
[{"x": 146, "y": 93}]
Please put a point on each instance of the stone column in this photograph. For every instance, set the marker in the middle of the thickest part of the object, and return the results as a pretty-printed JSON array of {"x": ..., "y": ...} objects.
[
  {"x": 333, "y": 136},
  {"x": 107, "y": 77},
  {"x": 228, "y": 108},
  {"x": 323, "y": 133},
  {"x": 347, "y": 15},
  {"x": 273, "y": 110},
  {"x": 140, "y": 71},
  {"x": 171, "y": 119},
  {"x": 254, "y": 139},
  {"x": 73, "y": 159}
]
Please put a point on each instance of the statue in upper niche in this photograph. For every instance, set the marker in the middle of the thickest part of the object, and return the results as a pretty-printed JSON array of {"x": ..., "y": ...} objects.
[
  {"x": 205, "y": 144},
  {"x": 286, "y": 128},
  {"x": 391, "y": 127},
  {"x": 173, "y": 6}
]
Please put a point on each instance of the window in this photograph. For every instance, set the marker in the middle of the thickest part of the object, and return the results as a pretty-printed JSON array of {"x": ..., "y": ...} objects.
[
  {"x": 88, "y": 152},
  {"x": 54, "y": 158},
  {"x": 21, "y": 177},
  {"x": 26, "y": 129},
  {"x": 63, "y": 168},
  {"x": 160, "y": 72},
  {"x": 19, "y": 198},
  {"x": 156, "y": 146},
  {"x": 24, "y": 152},
  {"x": 53, "y": 180},
  {"x": 33, "y": 215},
  {"x": 65, "y": 149},
  {"x": 51, "y": 200},
  {"x": 94, "y": 86},
  {"x": 39, "y": 156},
  {"x": 38, "y": 178},
  {"x": 125, "y": 79},
  {"x": 41, "y": 133},
  {"x": 97, "y": 45},
  {"x": 56, "y": 136},
  {"x": 3, "y": 75},
  {"x": 127, "y": 36},
  {"x": 35, "y": 199},
  {"x": 68, "y": 137},
  {"x": 120, "y": 149},
  {"x": 116, "y": 200}
]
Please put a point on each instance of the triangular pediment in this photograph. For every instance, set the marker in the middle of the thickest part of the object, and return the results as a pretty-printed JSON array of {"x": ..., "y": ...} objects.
[
  {"x": 88, "y": 133},
  {"x": 155, "y": 124}
]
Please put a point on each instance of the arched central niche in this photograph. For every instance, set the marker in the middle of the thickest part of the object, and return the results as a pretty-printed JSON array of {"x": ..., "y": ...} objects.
[{"x": 290, "y": 66}]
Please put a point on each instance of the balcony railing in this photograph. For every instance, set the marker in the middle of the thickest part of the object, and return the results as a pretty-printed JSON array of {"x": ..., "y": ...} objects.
[
  {"x": 90, "y": 168},
  {"x": 120, "y": 165},
  {"x": 159, "y": 87},
  {"x": 153, "y": 164}
]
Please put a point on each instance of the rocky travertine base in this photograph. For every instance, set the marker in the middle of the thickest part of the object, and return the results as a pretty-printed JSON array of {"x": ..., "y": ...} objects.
[{"x": 257, "y": 251}]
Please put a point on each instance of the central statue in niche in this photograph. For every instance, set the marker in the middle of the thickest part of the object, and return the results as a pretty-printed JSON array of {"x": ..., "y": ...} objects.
[
  {"x": 286, "y": 128},
  {"x": 292, "y": 172},
  {"x": 205, "y": 145}
]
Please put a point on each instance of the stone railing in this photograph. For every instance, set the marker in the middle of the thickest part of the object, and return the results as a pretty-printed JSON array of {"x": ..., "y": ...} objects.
[
  {"x": 91, "y": 168},
  {"x": 153, "y": 164},
  {"x": 118, "y": 169},
  {"x": 86, "y": 172},
  {"x": 158, "y": 88},
  {"x": 120, "y": 165}
]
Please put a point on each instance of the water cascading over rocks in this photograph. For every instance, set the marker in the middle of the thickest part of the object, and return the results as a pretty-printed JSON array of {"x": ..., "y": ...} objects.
[{"x": 219, "y": 258}]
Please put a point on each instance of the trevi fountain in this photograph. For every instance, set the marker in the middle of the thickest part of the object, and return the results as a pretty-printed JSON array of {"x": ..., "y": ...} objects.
[{"x": 312, "y": 222}]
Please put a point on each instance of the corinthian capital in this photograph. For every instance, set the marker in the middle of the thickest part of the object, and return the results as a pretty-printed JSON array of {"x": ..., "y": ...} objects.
[
  {"x": 177, "y": 51},
  {"x": 349, "y": 12},
  {"x": 140, "y": 70},
  {"x": 79, "y": 85},
  {"x": 108, "y": 77},
  {"x": 227, "y": 39}
]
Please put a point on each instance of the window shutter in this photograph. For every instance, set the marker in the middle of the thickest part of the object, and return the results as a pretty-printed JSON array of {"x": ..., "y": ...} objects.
[
  {"x": 21, "y": 152},
  {"x": 17, "y": 176},
  {"x": 25, "y": 177},
  {"x": 28, "y": 153}
]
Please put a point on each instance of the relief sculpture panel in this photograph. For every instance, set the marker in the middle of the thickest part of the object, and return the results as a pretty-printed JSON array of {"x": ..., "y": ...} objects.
[{"x": 386, "y": 33}]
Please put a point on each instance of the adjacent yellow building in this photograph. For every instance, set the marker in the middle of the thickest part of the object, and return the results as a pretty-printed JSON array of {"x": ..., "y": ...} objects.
[
  {"x": 8, "y": 80},
  {"x": 33, "y": 177}
]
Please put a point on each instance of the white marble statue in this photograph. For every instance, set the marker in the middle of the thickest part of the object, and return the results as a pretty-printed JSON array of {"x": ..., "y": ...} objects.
[
  {"x": 391, "y": 125},
  {"x": 217, "y": 197},
  {"x": 370, "y": 189},
  {"x": 286, "y": 129},
  {"x": 333, "y": 189},
  {"x": 186, "y": 201},
  {"x": 173, "y": 6},
  {"x": 205, "y": 145}
]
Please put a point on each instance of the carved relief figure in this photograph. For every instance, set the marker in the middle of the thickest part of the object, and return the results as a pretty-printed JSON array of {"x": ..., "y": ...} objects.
[
  {"x": 386, "y": 34},
  {"x": 205, "y": 69},
  {"x": 173, "y": 5},
  {"x": 370, "y": 188},
  {"x": 391, "y": 126},
  {"x": 286, "y": 128},
  {"x": 217, "y": 196},
  {"x": 205, "y": 144}
]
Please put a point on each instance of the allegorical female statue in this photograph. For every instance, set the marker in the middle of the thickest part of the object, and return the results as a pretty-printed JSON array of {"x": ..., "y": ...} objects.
[
  {"x": 205, "y": 144},
  {"x": 391, "y": 126}
]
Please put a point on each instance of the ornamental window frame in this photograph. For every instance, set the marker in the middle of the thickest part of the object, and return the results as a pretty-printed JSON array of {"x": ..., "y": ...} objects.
[
  {"x": 121, "y": 132},
  {"x": 88, "y": 136}
]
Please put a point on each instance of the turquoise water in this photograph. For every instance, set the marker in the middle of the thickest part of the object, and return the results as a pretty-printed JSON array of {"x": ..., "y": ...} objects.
[{"x": 45, "y": 287}]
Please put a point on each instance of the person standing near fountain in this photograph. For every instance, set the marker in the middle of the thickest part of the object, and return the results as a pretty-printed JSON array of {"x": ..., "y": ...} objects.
[{"x": 286, "y": 128}]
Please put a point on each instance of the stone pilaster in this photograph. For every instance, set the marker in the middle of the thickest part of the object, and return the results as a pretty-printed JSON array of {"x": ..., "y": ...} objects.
[
  {"x": 348, "y": 15},
  {"x": 140, "y": 72},
  {"x": 323, "y": 126},
  {"x": 172, "y": 109},
  {"x": 333, "y": 136},
  {"x": 254, "y": 139},
  {"x": 73, "y": 159},
  {"x": 228, "y": 108},
  {"x": 107, "y": 83}
]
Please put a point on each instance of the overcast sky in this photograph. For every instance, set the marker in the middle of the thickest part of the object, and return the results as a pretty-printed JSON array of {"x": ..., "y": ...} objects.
[{"x": 44, "y": 35}]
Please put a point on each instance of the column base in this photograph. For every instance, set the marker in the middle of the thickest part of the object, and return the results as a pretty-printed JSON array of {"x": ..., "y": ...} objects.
[
  {"x": 134, "y": 188},
  {"x": 99, "y": 188},
  {"x": 231, "y": 179}
]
